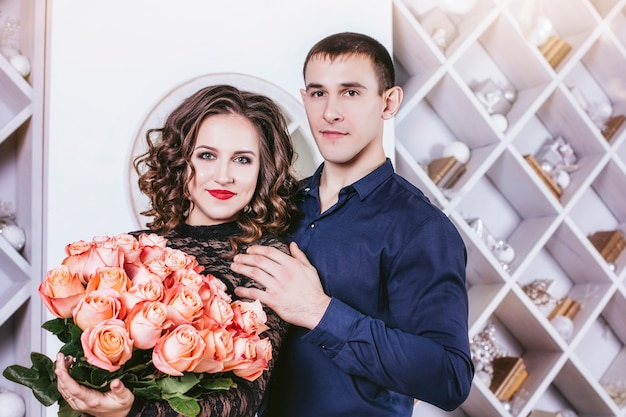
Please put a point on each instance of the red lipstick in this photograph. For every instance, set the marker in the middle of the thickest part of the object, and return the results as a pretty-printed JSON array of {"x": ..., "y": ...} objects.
[{"x": 221, "y": 194}]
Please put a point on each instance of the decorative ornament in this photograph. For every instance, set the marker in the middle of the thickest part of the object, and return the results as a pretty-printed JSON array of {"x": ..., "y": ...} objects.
[
  {"x": 504, "y": 253},
  {"x": 9, "y": 230},
  {"x": 458, "y": 150},
  {"x": 564, "y": 326},
  {"x": 11, "y": 405}
]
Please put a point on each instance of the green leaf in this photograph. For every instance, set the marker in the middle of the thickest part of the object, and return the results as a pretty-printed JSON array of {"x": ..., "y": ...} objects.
[
  {"x": 215, "y": 384},
  {"x": 39, "y": 378},
  {"x": 178, "y": 384},
  {"x": 186, "y": 406}
]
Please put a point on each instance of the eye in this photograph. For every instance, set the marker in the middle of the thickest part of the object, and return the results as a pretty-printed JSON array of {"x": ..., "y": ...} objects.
[
  {"x": 352, "y": 93},
  {"x": 206, "y": 155},
  {"x": 317, "y": 94},
  {"x": 242, "y": 160}
]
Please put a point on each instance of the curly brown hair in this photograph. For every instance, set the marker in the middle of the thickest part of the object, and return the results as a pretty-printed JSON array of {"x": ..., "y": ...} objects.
[{"x": 163, "y": 169}]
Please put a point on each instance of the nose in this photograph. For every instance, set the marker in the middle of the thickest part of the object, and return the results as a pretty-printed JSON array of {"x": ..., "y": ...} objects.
[
  {"x": 222, "y": 172},
  {"x": 332, "y": 113}
]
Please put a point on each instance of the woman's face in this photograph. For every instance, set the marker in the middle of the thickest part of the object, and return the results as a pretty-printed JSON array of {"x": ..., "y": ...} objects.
[{"x": 226, "y": 159}]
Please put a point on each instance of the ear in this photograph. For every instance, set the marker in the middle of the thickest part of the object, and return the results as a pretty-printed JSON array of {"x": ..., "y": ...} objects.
[
  {"x": 302, "y": 93},
  {"x": 393, "y": 99}
]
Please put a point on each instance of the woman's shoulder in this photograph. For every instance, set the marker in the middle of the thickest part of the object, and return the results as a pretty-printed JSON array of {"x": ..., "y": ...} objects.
[{"x": 271, "y": 240}]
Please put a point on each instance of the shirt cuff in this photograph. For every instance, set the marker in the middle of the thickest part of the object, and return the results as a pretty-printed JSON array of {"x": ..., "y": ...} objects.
[{"x": 335, "y": 327}]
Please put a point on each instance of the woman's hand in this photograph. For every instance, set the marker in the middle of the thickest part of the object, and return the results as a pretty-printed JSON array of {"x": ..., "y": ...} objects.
[{"x": 115, "y": 403}]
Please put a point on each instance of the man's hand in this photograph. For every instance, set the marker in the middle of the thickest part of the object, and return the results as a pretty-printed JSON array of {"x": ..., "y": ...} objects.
[
  {"x": 292, "y": 285},
  {"x": 115, "y": 403}
]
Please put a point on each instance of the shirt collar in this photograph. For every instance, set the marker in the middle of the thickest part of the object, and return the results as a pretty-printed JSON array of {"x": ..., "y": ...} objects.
[{"x": 363, "y": 187}]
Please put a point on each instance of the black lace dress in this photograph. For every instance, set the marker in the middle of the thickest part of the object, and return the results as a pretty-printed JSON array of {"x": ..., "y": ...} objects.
[{"x": 210, "y": 246}]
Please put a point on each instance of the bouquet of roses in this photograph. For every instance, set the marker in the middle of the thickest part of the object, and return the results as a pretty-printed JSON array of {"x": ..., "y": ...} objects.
[{"x": 135, "y": 309}]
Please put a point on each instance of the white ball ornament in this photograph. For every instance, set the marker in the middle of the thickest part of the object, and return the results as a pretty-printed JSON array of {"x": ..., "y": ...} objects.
[
  {"x": 21, "y": 64},
  {"x": 458, "y": 150},
  {"x": 505, "y": 253},
  {"x": 14, "y": 235},
  {"x": 563, "y": 179},
  {"x": 11, "y": 405},
  {"x": 564, "y": 326},
  {"x": 500, "y": 122}
]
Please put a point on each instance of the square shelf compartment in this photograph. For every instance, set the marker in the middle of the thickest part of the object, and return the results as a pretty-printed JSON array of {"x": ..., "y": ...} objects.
[
  {"x": 557, "y": 117},
  {"x": 603, "y": 352},
  {"x": 602, "y": 207},
  {"x": 512, "y": 208},
  {"x": 517, "y": 333},
  {"x": 597, "y": 83},
  {"x": 567, "y": 263},
  {"x": 572, "y": 21},
  {"x": 571, "y": 391},
  {"x": 432, "y": 124},
  {"x": 15, "y": 106},
  {"x": 461, "y": 27},
  {"x": 503, "y": 62}
]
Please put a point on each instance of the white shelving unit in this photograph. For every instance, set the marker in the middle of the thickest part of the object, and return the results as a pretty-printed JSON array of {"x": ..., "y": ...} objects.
[
  {"x": 21, "y": 167},
  {"x": 549, "y": 234}
]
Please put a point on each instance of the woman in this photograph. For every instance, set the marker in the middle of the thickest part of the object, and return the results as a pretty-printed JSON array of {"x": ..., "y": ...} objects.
[{"x": 218, "y": 175}]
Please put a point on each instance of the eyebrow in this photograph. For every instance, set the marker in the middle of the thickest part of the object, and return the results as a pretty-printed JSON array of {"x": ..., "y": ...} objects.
[
  {"x": 236, "y": 152},
  {"x": 343, "y": 85}
]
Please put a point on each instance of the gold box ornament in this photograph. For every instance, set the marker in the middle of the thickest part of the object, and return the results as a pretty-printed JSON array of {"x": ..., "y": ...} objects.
[
  {"x": 610, "y": 243},
  {"x": 509, "y": 373},
  {"x": 446, "y": 171}
]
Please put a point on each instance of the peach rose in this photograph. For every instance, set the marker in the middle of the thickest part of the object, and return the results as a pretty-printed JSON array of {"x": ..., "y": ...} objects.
[
  {"x": 128, "y": 243},
  {"x": 252, "y": 371},
  {"x": 218, "y": 313},
  {"x": 146, "y": 323},
  {"x": 61, "y": 291},
  {"x": 151, "y": 290},
  {"x": 185, "y": 277},
  {"x": 219, "y": 348},
  {"x": 78, "y": 247},
  {"x": 179, "y": 350},
  {"x": 251, "y": 357},
  {"x": 249, "y": 316},
  {"x": 98, "y": 306},
  {"x": 176, "y": 259},
  {"x": 101, "y": 253},
  {"x": 139, "y": 273},
  {"x": 152, "y": 239},
  {"x": 184, "y": 304},
  {"x": 109, "y": 277},
  {"x": 107, "y": 345}
]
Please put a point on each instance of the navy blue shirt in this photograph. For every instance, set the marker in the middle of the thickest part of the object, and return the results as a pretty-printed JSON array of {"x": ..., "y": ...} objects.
[{"x": 396, "y": 327}]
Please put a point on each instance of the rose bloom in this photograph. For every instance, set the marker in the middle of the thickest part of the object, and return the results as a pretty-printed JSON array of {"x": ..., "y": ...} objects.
[
  {"x": 98, "y": 306},
  {"x": 254, "y": 370},
  {"x": 152, "y": 239},
  {"x": 151, "y": 290},
  {"x": 109, "y": 277},
  {"x": 176, "y": 259},
  {"x": 179, "y": 350},
  {"x": 249, "y": 360},
  {"x": 61, "y": 291},
  {"x": 107, "y": 345},
  {"x": 146, "y": 323},
  {"x": 126, "y": 242},
  {"x": 249, "y": 316},
  {"x": 105, "y": 253},
  {"x": 184, "y": 304},
  {"x": 78, "y": 247},
  {"x": 219, "y": 348},
  {"x": 217, "y": 313},
  {"x": 185, "y": 277},
  {"x": 139, "y": 273}
]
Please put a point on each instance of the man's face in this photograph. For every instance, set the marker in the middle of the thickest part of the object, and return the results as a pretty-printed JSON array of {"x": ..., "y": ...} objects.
[{"x": 345, "y": 110}]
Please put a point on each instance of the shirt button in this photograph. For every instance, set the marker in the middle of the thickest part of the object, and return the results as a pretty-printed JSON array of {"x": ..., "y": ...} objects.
[
  {"x": 312, "y": 226},
  {"x": 323, "y": 347},
  {"x": 307, "y": 189}
]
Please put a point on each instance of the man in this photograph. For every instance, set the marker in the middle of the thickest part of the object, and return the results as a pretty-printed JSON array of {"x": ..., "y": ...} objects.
[{"x": 381, "y": 317}]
